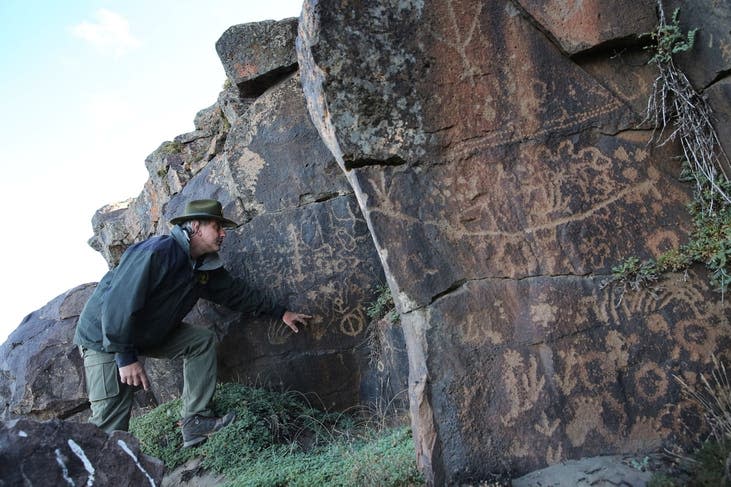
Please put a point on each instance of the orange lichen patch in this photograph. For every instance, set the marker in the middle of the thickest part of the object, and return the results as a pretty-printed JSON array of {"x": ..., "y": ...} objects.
[{"x": 246, "y": 70}]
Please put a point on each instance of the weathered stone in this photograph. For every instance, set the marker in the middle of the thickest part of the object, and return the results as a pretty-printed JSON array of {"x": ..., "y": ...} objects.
[
  {"x": 64, "y": 453},
  {"x": 386, "y": 387},
  {"x": 257, "y": 55},
  {"x": 587, "y": 472},
  {"x": 41, "y": 371},
  {"x": 501, "y": 183},
  {"x": 111, "y": 234},
  {"x": 718, "y": 95},
  {"x": 232, "y": 104},
  {"x": 579, "y": 26},
  {"x": 303, "y": 240},
  {"x": 710, "y": 57},
  {"x": 299, "y": 216},
  {"x": 170, "y": 166}
]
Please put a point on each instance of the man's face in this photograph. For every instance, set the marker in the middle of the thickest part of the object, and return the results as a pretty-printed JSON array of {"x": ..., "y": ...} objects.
[{"x": 209, "y": 237}]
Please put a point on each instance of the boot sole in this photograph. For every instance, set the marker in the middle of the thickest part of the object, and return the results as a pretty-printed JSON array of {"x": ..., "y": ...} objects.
[{"x": 195, "y": 441}]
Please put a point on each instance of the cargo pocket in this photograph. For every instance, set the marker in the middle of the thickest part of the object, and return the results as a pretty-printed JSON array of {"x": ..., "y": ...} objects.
[{"x": 101, "y": 375}]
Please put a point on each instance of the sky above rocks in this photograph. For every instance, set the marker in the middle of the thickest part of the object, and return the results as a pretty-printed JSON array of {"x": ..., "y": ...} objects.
[{"x": 88, "y": 89}]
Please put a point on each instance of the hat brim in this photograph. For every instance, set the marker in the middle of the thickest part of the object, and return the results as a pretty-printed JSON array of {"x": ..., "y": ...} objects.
[{"x": 203, "y": 216}]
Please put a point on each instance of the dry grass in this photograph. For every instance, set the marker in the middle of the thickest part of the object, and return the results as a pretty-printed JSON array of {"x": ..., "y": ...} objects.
[{"x": 678, "y": 111}]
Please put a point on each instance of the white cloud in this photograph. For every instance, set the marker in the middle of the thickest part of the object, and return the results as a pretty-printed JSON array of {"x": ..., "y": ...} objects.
[{"x": 110, "y": 33}]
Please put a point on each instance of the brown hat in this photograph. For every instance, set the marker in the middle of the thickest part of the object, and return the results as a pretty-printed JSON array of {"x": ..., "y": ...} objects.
[{"x": 203, "y": 210}]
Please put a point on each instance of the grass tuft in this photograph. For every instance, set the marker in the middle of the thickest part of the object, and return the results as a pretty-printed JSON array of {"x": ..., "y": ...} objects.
[{"x": 279, "y": 439}]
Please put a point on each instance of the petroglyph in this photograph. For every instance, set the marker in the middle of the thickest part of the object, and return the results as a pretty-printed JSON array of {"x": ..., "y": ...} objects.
[
  {"x": 478, "y": 330},
  {"x": 554, "y": 455},
  {"x": 543, "y": 314},
  {"x": 522, "y": 385},
  {"x": 277, "y": 332},
  {"x": 652, "y": 382},
  {"x": 587, "y": 417},
  {"x": 459, "y": 39},
  {"x": 327, "y": 238},
  {"x": 546, "y": 427}
]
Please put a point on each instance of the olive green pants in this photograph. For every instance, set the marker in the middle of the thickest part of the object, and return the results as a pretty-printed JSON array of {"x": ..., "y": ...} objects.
[{"x": 111, "y": 401}]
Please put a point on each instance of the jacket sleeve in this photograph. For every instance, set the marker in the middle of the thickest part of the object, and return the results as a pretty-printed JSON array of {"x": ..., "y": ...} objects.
[
  {"x": 125, "y": 297},
  {"x": 223, "y": 288}
]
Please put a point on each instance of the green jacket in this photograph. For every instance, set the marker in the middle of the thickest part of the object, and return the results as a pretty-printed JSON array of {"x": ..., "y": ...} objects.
[{"x": 140, "y": 302}]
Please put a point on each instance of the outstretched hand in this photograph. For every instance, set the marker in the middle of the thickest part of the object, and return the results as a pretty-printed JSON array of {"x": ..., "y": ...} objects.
[
  {"x": 292, "y": 319},
  {"x": 134, "y": 375}
]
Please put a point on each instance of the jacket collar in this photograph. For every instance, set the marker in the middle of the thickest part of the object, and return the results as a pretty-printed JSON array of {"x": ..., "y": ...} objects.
[{"x": 211, "y": 261}]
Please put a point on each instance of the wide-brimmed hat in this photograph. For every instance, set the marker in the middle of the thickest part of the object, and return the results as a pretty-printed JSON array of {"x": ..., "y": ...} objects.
[{"x": 203, "y": 210}]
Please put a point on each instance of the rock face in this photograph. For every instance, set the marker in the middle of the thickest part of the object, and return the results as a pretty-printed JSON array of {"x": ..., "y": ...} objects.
[
  {"x": 498, "y": 160},
  {"x": 41, "y": 371},
  {"x": 64, "y": 453},
  {"x": 303, "y": 240},
  {"x": 501, "y": 181},
  {"x": 254, "y": 54}
]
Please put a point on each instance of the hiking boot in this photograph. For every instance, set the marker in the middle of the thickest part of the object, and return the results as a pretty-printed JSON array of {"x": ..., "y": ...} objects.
[{"x": 197, "y": 429}]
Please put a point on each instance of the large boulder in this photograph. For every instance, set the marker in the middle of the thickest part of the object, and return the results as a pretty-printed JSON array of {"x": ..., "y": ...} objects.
[
  {"x": 501, "y": 182},
  {"x": 41, "y": 371},
  {"x": 64, "y": 453},
  {"x": 256, "y": 55}
]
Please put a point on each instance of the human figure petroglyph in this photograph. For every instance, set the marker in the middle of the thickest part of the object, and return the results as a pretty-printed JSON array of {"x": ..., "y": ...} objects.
[
  {"x": 459, "y": 38},
  {"x": 522, "y": 385},
  {"x": 546, "y": 427},
  {"x": 554, "y": 455}
]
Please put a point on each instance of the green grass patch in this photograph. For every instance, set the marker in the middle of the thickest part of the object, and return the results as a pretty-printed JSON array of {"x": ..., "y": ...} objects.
[{"x": 278, "y": 439}]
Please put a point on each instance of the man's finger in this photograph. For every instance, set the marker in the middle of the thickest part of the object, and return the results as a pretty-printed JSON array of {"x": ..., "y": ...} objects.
[{"x": 145, "y": 382}]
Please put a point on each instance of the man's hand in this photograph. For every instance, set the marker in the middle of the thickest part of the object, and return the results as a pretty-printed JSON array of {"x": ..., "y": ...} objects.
[
  {"x": 291, "y": 319},
  {"x": 134, "y": 375}
]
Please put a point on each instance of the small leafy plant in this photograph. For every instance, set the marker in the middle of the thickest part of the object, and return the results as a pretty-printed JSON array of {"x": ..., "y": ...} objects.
[
  {"x": 668, "y": 39},
  {"x": 674, "y": 105},
  {"x": 709, "y": 244},
  {"x": 383, "y": 306},
  {"x": 169, "y": 148}
]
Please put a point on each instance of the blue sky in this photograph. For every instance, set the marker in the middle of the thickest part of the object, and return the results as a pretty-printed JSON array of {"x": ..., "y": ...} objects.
[{"x": 87, "y": 90}]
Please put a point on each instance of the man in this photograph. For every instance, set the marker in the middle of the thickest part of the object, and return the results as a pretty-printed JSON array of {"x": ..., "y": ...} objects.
[{"x": 138, "y": 308}]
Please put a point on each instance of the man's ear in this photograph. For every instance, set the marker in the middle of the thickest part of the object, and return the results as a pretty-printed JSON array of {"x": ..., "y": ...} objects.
[{"x": 194, "y": 226}]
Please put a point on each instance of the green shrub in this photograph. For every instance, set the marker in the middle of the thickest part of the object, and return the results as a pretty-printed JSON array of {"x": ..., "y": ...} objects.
[
  {"x": 668, "y": 39},
  {"x": 383, "y": 306},
  {"x": 279, "y": 439}
]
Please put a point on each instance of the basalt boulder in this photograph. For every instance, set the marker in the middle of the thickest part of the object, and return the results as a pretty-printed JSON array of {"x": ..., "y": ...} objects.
[
  {"x": 502, "y": 180},
  {"x": 41, "y": 371},
  {"x": 65, "y": 453},
  {"x": 255, "y": 55}
]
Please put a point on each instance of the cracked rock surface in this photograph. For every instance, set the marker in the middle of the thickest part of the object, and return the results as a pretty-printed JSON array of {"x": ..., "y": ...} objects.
[{"x": 501, "y": 163}]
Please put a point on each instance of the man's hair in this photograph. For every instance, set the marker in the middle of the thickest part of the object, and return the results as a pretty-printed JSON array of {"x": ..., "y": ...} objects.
[{"x": 187, "y": 225}]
